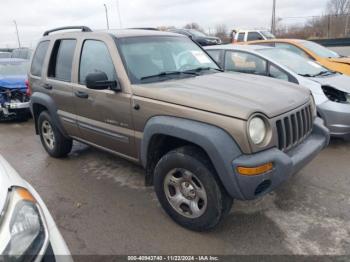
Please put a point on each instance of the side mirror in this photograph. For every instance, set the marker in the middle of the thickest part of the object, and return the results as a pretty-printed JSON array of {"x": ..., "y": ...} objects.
[{"x": 99, "y": 81}]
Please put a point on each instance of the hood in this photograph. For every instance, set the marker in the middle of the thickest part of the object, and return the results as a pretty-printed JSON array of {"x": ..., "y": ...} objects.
[
  {"x": 13, "y": 82},
  {"x": 343, "y": 60},
  {"x": 8, "y": 178},
  {"x": 338, "y": 81},
  {"x": 232, "y": 94}
]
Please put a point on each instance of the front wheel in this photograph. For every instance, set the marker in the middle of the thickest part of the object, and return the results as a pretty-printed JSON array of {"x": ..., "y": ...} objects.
[{"x": 188, "y": 189}]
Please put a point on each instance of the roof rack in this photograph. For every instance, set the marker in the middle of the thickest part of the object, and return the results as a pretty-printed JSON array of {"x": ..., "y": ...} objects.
[
  {"x": 145, "y": 28},
  {"x": 83, "y": 29}
]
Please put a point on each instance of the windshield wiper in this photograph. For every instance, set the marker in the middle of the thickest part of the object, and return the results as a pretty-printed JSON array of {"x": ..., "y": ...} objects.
[
  {"x": 168, "y": 73},
  {"x": 199, "y": 69},
  {"x": 322, "y": 73}
]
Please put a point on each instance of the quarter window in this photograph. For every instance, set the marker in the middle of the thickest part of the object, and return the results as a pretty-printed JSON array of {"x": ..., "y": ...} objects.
[
  {"x": 95, "y": 57},
  {"x": 60, "y": 66},
  {"x": 38, "y": 59},
  {"x": 216, "y": 55},
  {"x": 275, "y": 72},
  {"x": 245, "y": 63}
]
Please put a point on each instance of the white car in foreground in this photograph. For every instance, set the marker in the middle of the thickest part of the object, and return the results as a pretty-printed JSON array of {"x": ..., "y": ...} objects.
[{"x": 27, "y": 229}]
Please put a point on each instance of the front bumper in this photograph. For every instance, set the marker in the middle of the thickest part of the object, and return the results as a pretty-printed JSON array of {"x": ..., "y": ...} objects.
[
  {"x": 14, "y": 108},
  {"x": 285, "y": 164},
  {"x": 337, "y": 118}
]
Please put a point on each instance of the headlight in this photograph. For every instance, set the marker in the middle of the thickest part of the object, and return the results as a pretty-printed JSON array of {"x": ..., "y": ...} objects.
[
  {"x": 336, "y": 95},
  {"x": 22, "y": 232},
  {"x": 257, "y": 130}
]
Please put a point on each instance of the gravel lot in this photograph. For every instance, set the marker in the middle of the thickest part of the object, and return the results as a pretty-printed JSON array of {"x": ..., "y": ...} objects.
[{"x": 102, "y": 207}]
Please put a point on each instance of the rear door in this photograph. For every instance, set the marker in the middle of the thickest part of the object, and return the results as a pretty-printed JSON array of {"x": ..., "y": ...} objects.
[
  {"x": 58, "y": 82},
  {"x": 104, "y": 116}
]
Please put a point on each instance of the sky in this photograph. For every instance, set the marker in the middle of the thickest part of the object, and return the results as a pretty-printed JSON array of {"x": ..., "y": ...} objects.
[{"x": 35, "y": 16}]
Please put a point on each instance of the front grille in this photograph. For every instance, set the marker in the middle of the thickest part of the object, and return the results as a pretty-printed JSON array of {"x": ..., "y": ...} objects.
[{"x": 294, "y": 128}]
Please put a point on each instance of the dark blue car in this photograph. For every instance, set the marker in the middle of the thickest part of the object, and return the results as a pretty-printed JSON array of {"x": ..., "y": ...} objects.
[{"x": 14, "y": 92}]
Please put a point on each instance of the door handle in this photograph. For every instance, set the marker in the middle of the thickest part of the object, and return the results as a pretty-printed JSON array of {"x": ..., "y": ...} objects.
[
  {"x": 47, "y": 86},
  {"x": 81, "y": 94}
]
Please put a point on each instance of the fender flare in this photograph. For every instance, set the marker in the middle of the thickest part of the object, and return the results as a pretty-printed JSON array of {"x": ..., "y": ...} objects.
[
  {"x": 217, "y": 143},
  {"x": 46, "y": 101}
]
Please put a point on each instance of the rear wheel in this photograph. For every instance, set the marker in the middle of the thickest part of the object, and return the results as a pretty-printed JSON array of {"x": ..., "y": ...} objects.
[
  {"x": 55, "y": 144},
  {"x": 189, "y": 190}
]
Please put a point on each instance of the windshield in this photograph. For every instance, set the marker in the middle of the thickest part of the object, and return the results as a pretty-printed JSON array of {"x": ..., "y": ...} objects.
[
  {"x": 196, "y": 33},
  {"x": 294, "y": 62},
  {"x": 150, "y": 59},
  {"x": 13, "y": 68},
  {"x": 268, "y": 35},
  {"x": 319, "y": 50}
]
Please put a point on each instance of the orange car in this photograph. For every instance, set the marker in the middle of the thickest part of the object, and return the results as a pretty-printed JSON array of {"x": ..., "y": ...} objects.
[{"x": 319, "y": 53}]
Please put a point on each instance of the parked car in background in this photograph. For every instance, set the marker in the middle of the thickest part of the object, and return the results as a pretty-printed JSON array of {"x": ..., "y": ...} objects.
[
  {"x": 27, "y": 229},
  {"x": 331, "y": 90},
  {"x": 22, "y": 53},
  {"x": 204, "y": 137},
  {"x": 197, "y": 36},
  {"x": 14, "y": 92},
  {"x": 5, "y": 55},
  {"x": 326, "y": 57},
  {"x": 251, "y": 35}
]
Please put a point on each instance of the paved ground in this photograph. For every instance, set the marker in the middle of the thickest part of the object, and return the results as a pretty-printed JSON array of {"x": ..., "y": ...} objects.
[{"x": 101, "y": 206}]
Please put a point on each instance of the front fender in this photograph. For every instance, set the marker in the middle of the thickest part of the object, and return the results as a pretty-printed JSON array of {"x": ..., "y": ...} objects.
[{"x": 219, "y": 145}]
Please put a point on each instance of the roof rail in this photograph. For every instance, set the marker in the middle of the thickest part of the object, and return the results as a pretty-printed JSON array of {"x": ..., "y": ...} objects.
[{"x": 83, "y": 29}]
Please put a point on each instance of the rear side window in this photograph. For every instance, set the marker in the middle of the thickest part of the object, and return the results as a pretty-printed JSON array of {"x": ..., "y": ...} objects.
[
  {"x": 61, "y": 60},
  {"x": 240, "y": 37},
  {"x": 252, "y": 36},
  {"x": 38, "y": 59},
  {"x": 95, "y": 57}
]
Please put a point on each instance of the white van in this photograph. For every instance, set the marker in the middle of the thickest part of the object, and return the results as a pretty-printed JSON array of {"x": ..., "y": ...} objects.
[{"x": 251, "y": 35}]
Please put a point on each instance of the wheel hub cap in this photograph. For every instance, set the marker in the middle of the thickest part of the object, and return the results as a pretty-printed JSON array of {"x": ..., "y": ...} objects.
[
  {"x": 47, "y": 134},
  {"x": 185, "y": 193}
]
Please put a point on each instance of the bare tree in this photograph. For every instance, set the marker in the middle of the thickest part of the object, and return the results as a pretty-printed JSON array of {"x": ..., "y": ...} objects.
[
  {"x": 222, "y": 33},
  {"x": 195, "y": 26},
  {"x": 338, "y": 7}
]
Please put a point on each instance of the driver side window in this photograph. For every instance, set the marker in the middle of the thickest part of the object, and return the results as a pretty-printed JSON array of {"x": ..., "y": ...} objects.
[
  {"x": 95, "y": 57},
  {"x": 245, "y": 63}
]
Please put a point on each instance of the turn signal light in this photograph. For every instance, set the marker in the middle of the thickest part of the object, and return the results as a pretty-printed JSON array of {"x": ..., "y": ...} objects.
[{"x": 254, "y": 171}]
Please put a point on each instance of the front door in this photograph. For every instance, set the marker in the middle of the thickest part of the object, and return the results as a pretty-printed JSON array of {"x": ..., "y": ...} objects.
[{"x": 104, "y": 116}]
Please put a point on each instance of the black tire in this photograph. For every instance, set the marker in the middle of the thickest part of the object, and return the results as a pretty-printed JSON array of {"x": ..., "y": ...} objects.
[
  {"x": 62, "y": 145},
  {"x": 193, "y": 159}
]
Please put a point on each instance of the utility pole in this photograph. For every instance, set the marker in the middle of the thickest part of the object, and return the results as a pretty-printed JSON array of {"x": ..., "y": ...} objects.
[
  {"x": 273, "y": 22},
  {"x": 346, "y": 25},
  {"x": 19, "y": 42},
  {"x": 119, "y": 16},
  {"x": 106, "y": 16}
]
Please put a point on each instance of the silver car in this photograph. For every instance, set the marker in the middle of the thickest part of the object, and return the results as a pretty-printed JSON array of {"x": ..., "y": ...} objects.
[
  {"x": 331, "y": 90},
  {"x": 27, "y": 229}
]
